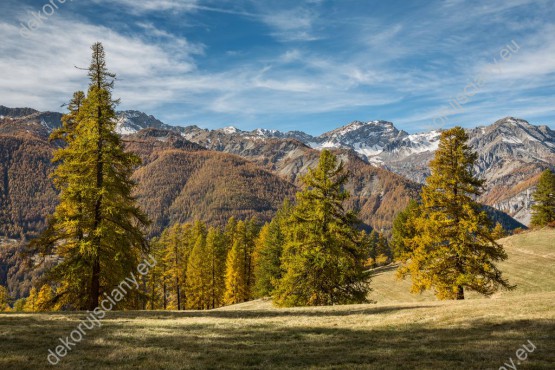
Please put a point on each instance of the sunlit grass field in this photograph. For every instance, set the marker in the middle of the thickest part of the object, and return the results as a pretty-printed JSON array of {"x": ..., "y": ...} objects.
[
  {"x": 398, "y": 332},
  {"x": 530, "y": 266}
]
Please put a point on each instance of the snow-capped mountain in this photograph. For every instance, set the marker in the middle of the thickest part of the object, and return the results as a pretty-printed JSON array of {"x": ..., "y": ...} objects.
[
  {"x": 375, "y": 141},
  {"x": 511, "y": 151},
  {"x": 366, "y": 138},
  {"x": 131, "y": 121},
  {"x": 379, "y": 142}
]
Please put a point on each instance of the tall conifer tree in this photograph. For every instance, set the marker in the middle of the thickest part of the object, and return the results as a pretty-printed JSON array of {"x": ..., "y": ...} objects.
[
  {"x": 236, "y": 278},
  {"x": 176, "y": 244},
  {"x": 452, "y": 246},
  {"x": 216, "y": 254},
  {"x": 268, "y": 252},
  {"x": 323, "y": 258},
  {"x": 198, "y": 277},
  {"x": 97, "y": 228}
]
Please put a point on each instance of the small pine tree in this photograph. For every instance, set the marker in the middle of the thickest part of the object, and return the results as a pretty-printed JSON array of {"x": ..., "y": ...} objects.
[
  {"x": 370, "y": 242},
  {"x": 4, "y": 299},
  {"x": 262, "y": 279},
  {"x": 216, "y": 254},
  {"x": 452, "y": 246},
  {"x": 19, "y": 305},
  {"x": 229, "y": 232},
  {"x": 175, "y": 256},
  {"x": 268, "y": 252},
  {"x": 31, "y": 301},
  {"x": 198, "y": 277},
  {"x": 543, "y": 210},
  {"x": 236, "y": 282},
  {"x": 323, "y": 259},
  {"x": 383, "y": 251},
  {"x": 157, "y": 279},
  {"x": 251, "y": 234},
  {"x": 499, "y": 232}
]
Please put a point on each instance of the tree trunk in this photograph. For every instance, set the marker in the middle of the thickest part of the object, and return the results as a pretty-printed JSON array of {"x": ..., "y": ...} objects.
[
  {"x": 460, "y": 293},
  {"x": 95, "y": 281},
  {"x": 165, "y": 297},
  {"x": 95, "y": 284}
]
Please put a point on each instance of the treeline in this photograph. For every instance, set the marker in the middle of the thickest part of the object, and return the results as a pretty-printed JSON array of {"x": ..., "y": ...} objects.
[
  {"x": 201, "y": 267},
  {"x": 97, "y": 231},
  {"x": 313, "y": 252}
]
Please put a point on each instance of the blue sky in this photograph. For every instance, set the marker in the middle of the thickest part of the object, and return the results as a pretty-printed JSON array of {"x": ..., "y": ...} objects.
[{"x": 309, "y": 65}]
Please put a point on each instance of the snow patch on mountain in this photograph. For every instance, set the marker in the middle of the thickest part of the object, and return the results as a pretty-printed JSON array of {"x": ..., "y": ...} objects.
[{"x": 230, "y": 130}]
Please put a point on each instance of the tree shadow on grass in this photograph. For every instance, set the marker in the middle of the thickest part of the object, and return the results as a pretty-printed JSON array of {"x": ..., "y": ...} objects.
[
  {"x": 412, "y": 347},
  {"x": 230, "y": 314},
  {"x": 279, "y": 344},
  {"x": 269, "y": 313}
]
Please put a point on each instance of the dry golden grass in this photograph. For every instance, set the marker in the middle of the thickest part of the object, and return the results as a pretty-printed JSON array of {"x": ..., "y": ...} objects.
[
  {"x": 475, "y": 334},
  {"x": 471, "y": 334},
  {"x": 530, "y": 266}
]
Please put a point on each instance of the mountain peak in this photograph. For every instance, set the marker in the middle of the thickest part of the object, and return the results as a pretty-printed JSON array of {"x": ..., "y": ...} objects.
[
  {"x": 266, "y": 132},
  {"x": 230, "y": 130},
  {"x": 511, "y": 121},
  {"x": 16, "y": 112},
  {"x": 362, "y": 126}
]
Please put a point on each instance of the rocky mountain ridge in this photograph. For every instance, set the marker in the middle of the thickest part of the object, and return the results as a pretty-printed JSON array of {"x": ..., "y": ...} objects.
[
  {"x": 511, "y": 151},
  {"x": 182, "y": 181}
]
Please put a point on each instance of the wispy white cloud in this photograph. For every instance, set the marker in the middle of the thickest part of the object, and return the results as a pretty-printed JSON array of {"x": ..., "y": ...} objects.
[
  {"x": 159, "y": 68},
  {"x": 291, "y": 24},
  {"x": 287, "y": 22},
  {"x": 135, "y": 6},
  {"x": 403, "y": 68},
  {"x": 42, "y": 67},
  {"x": 179, "y": 6}
]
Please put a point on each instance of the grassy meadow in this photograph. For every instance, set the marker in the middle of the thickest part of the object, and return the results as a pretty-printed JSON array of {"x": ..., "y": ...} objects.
[
  {"x": 399, "y": 331},
  {"x": 530, "y": 266}
]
